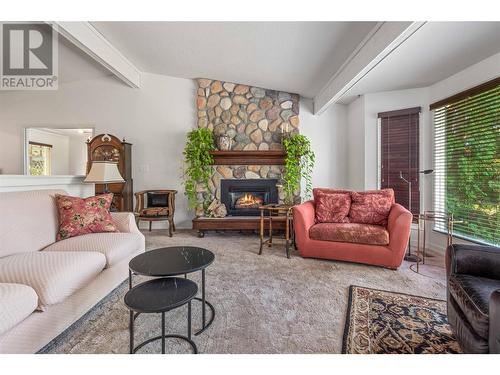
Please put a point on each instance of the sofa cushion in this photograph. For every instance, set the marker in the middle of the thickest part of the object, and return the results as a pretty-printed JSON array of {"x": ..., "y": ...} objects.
[
  {"x": 350, "y": 232},
  {"x": 17, "y": 302},
  {"x": 79, "y": 216},
  {"x": 316, "y": 191},
  {"x": 332, "y": 207},
  {"x": 472, "y": 295},
  {"x": 154, "y": 211},
  {"x": 371, "y": 207},
  {"x": 114, "y": 246},
  {"x": 53, "y": 275},
  {"x": 30, "y": 221}
]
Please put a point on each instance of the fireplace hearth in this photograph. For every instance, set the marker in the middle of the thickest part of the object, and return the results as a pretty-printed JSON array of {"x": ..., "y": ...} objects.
[{"x": 243, "y": 197}]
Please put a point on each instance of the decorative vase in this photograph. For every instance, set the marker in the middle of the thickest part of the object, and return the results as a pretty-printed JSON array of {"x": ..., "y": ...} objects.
[{"x": 224, "y": 143}]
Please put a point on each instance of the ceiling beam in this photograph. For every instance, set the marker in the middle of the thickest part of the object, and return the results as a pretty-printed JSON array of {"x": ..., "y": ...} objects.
[
  {"x": 84, "y": 36},
  {"x": 382, "y": 40}
]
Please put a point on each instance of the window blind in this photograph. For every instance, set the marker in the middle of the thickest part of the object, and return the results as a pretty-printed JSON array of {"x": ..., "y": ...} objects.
[
  {"x": 399, "y": 152},
  {"x": 467, "y": 162}
]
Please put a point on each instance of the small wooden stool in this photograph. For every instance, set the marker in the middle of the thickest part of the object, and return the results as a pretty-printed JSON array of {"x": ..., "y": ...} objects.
[{"x": 276, "y": 212}]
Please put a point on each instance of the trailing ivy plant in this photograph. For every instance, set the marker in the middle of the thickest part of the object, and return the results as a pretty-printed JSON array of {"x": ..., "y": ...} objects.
[
  {"x": 299, "y": 162},
  {"x": 198, "y": 162}
]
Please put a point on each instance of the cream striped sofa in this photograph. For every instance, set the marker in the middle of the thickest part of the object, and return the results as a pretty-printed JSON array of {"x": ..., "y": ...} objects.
[{"x": 45, "y": 286}]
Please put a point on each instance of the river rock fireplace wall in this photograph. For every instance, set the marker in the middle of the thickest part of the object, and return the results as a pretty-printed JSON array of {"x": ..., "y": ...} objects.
[
  {"x": 244, "y": 197},
  {"x": 254, "y": 118}
]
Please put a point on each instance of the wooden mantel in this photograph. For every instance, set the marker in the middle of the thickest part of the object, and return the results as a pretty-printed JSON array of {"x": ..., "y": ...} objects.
[{"x": 270, "y": 157}]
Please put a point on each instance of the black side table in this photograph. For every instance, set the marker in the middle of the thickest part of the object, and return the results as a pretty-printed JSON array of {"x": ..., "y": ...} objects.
[
  {"x": 160, "y": 296},
  {"x": 175, "y": 261}
]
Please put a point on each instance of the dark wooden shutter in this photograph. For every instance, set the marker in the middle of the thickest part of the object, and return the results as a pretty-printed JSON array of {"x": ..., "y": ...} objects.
[{"x": 399, "y": 153}]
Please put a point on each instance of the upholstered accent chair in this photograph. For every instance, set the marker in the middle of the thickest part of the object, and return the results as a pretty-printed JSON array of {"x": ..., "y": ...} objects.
[
  {"x": 473, "y": 297},
  {"x": 156, "y": 205},
  {"x": 382, "y": 244}
]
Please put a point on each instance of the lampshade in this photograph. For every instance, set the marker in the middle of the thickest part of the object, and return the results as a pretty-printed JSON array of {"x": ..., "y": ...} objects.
[{"x": 104, "y": 172}]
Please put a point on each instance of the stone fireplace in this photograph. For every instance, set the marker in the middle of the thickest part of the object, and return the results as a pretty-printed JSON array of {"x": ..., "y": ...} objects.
[
  {"x": 244, "y": 197},
  {"x": 255, "y": 119},
  {"x": 249, "y": 174}
]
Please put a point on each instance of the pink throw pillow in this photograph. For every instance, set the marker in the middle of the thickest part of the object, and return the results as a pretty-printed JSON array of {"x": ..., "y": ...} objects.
[
  {"x": 332, "y": 207},
  {"x": 371, "y": 207},
  {"x": 316, "y": 191},
  {"x": 79, "y": 216}
]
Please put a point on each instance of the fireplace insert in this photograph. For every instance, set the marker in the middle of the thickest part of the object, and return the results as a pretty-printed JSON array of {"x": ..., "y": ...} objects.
[{"x": 244, "y": 197}]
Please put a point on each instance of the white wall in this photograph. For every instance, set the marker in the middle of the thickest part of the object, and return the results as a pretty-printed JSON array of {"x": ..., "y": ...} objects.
[
  {"x": 472, "y": 76},
  {"x": 356, "y": 144},
  {"x": 155, "y": 119},
  {"x": 363, "y": 175},
  {"x": 328, "y": 135}
]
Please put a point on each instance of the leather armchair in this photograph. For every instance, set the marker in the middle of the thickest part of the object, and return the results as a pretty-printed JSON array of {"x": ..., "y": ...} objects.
[{"x": 473, "y": 296}]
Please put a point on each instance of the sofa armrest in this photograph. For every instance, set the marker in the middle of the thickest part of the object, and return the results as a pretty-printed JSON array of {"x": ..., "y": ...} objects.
[
  {"x": 399, "y": 227},
  {"x": 303, "y": 219},
  {"x": 474, "y": 260},
  {"x": 125, "y": 222},
  {"x": 494, "y": 329}
]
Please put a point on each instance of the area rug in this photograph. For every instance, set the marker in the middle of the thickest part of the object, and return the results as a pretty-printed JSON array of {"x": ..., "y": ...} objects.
[
  {"x": 381, "y": 322},
  {"x": 264, "y": 303}
]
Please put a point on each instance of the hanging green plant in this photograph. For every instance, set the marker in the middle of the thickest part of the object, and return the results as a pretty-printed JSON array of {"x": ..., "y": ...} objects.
[
  {"x": 299, "y": 162},
  {"x": 198, "y": 162}
]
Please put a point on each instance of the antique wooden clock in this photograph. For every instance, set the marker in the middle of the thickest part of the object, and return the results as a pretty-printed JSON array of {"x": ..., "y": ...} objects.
[{"x": 106, "y": 147}]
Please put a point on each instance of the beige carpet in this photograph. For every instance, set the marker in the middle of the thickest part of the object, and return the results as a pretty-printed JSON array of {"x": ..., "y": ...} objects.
[{"x": 265, "y": 304}]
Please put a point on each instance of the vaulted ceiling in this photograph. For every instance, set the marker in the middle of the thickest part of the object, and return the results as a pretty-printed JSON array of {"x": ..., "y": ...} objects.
[
  {"x": 435, "y": 52},
  {"x": 327, "y": 61},
  {"x": 297, "y": 57}
]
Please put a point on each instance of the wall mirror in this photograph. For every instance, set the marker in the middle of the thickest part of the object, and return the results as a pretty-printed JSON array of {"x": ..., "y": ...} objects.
[{"x": 56, "y": 151}]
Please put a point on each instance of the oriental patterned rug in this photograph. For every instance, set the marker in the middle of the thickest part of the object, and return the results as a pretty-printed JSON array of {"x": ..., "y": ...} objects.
[{"x": 381, "y": 322}]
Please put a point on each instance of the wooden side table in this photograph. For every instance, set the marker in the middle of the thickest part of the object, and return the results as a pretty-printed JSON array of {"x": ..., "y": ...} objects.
[{"x": 276, "y": 212}]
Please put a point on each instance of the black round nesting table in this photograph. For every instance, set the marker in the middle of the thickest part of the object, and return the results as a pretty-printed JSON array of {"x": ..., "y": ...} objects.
[
  {"x": 160, "y": 296},
  {"x": 174, "y": 261}
]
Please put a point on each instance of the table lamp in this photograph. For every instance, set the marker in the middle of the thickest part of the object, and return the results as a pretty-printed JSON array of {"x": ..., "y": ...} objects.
[{"x": 104, "y": 172}]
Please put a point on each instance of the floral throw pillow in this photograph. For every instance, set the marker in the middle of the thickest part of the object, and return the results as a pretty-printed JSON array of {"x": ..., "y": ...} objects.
[
  {"x": 317, "y": 191},
  {"x": 79, "y": 216},
  {"x": 371, "y": 207},
  {"x": 332, "y": 207}
]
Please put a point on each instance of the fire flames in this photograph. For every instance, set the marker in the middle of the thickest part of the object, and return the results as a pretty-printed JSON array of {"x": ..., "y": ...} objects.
[{"x": 248, "y": 201}]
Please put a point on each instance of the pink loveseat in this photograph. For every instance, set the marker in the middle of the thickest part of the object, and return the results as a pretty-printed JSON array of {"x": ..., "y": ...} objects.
[{"x": 361, "y": 243}]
